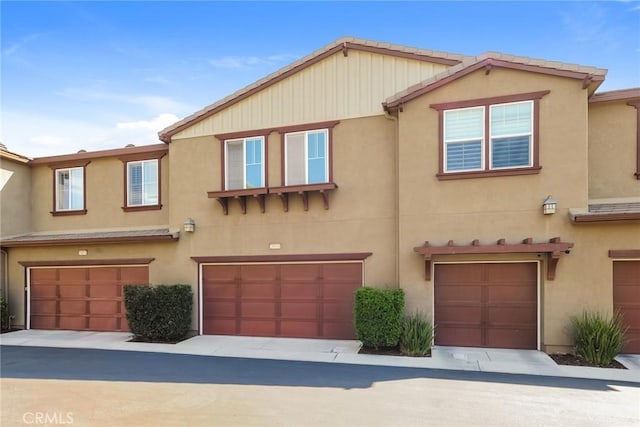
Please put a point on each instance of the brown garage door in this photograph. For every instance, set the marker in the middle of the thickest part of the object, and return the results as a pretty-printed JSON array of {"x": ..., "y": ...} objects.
[
  {"x": 486, "y": 305},
  {"x": 280, "y": 300},
  {"x": 82, "y": 298},
  {"x": 626, "y": 298}
]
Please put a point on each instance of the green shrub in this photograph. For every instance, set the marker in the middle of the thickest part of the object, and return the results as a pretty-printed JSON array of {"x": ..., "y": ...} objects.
[
  {"x": 598, "y": 339},
  {"x": 417, "y": 335},
  {"x": 378, "y": 316},
  {"x": 4, "y": 315},
  {"x": 159, "y": 313}
]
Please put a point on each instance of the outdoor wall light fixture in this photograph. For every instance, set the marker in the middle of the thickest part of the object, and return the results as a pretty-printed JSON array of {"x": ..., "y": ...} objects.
[
  {"x": 189, "y": 225},
  {"x": 549, "y": 205}
]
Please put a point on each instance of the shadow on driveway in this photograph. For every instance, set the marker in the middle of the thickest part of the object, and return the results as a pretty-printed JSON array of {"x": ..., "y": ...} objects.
[{"x": 133, "y": 366}]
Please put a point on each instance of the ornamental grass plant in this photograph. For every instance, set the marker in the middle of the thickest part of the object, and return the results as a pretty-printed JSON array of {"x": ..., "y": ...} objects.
[
  {"x": 417, "y": 335},
  {"x": 598, "y": 338}
]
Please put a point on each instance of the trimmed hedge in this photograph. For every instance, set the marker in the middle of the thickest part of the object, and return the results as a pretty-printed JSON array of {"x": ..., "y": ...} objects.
[
  {"x": 159, "y": 313},
  {"x": 378, "y": 316}
]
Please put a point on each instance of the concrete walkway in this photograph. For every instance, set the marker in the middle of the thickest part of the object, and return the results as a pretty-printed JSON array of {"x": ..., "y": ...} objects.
[{"x": 529, "y": 362}]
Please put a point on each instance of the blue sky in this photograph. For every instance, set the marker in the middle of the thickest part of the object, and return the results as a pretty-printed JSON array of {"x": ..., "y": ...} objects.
[{"x": 99, "y": 75}]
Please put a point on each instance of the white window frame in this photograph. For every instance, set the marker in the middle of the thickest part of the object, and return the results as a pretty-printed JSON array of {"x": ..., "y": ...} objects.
[
  {"x": 530, "y": 134},
  {"x": 142, "y": 162},
  {"x": 59, "y": 196},
  {"x": 306, "y": 154},
  {"x": 445, "y": 142},
  {"x": 244, "y": 162}
]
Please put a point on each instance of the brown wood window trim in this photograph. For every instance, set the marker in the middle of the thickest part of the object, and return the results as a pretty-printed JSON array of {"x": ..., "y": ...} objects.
[
  {"x": 69, "y": 165},
  {"x": 223, "y": 138},
  {"x": 487, "y": 103},
  {"x": 241, "y": 196},
  {"x": 138, "y": 157},
  {"x": 624, "y": 253},
  {"x": 87, "y": 262},
  {"x": 329, "y": 125},
  {"x": 304, "y": 191},
  {"x": 636, "y": 105},
  {"x": 553, "y": 249}
]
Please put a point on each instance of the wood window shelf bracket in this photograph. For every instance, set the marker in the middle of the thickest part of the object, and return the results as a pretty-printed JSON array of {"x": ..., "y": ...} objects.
[
  {"x": 241, "y": 196},
  {"x": 304, "y": 191}
]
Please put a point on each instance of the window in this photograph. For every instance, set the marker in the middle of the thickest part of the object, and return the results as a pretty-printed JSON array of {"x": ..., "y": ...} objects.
[
  {"x": 244, "y": 163},
  {"x": 142, "y": 183},
  {"x": 509, "y": 136},
  {"x": 69, "y": 193},
  {"x": 494, "y": 136},
  {"x": 306, "y": 157}
]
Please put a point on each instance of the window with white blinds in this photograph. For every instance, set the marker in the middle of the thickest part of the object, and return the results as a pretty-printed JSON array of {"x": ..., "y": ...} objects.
[
  {"x": 306, "y": 157},
  {"x": 244, "y": 163},
  {"x": 143, "y": 183},
  {"x": 509, "y": 135}
]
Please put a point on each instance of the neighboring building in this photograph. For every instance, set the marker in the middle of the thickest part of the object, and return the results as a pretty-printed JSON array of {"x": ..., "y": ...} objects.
[{"x": 362, "y": 163}]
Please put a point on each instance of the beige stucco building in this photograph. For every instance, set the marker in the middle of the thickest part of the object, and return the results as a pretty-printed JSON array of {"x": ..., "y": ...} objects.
[{"x": 363, "y": 163}]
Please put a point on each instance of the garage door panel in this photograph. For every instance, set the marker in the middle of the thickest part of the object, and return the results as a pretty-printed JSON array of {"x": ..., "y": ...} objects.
[
  {"x": 104, "y": 307},
  {"x": 72, "y": 291},
  {"x": 219, "y": 273},
  {"x": 300, "y": 272},
  {"x": 73, "y": 297},
  {"x": 43, "y": 291},
  {"x": 459, "y": 294},
  {"x": 257, "y": 309},
  {"x": 222, "y": 308},
  {"x": 486, "y": 304},
  {"x": 258, "y": 272},
  {"x": 299, "y": 310},
  {"x": 73, "y": 307},
  {"x": 515, "y": 316},
  {"x": 258, "y": 290},
  {"x": 292, "y": 300},
  {"x": 626, "y": 299},
  {"x": 303, "y": 291}
]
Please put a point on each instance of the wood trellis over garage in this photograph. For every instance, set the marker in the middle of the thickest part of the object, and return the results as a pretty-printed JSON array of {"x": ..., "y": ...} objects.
[{"x": 553, "y": 249}]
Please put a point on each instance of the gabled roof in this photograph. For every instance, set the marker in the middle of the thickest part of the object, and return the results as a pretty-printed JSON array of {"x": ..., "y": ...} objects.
[
  {"x": 489, "y": 60},
  {"x": 631, "y": 94},
  {"x": 9, "y": 155},
  {"x": 343, "y": 44}
]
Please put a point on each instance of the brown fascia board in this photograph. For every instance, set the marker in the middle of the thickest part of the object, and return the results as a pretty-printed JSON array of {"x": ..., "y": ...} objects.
[
  {"x": 86, "y": 262},
  {"x": 605, "y": 217},
  {"x": 487, "y": 62},
  {"x": 631, "y": 94},
  {"x": 343, "y": 44},
  {"x": 354, "y": 256},
  {"x": 87, "y": 241},
  {"x": 90, "y": 155},
  {"x": 15, "y": 157}
]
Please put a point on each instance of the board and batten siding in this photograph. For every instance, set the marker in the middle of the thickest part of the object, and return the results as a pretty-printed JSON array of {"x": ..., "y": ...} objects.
[{"x": 337, "y": 87}]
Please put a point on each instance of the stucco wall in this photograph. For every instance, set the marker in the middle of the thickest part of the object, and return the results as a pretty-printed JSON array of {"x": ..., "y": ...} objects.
[
  {"x": 508, "y": 207},
  {"x": 104, "y": 199},
  {"x": 612, "y": 150},
  {"x": 15, "y": 197}
]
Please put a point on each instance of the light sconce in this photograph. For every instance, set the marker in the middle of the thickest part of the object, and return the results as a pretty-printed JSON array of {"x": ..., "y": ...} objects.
[
  {"x": 189, "y": 225},
  {"x": 549, "y": 205}
]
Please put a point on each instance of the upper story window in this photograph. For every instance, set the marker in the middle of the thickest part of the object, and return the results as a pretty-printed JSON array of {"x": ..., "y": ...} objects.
[
  {"x": 142, "y": 180},
  {"x": 244, "y": 163},
  {"x": 488, "y": 137},
  {"x": 307, "y": 157},
  {"x": 69, "y": 190},
  {"x": 143, "y": 183}
]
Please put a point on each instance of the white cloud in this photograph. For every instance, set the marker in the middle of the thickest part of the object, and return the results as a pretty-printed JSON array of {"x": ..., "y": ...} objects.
[
  {"x": 35, "y": 135},
  {"x": 14, "y": 47},
  {"x": 153, "y": 103}
]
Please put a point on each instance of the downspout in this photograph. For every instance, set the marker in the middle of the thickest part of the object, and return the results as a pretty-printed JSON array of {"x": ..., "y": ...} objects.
[
  {"x": 396, "y": 193},
  {"x": 5, "y": 275}
]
